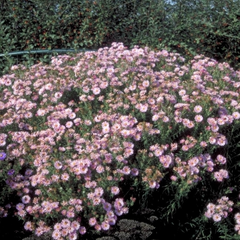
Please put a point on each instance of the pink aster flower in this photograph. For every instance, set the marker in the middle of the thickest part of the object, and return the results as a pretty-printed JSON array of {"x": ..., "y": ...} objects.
[
  {"x": 216, "y": 217},
  {"x": 151, "y": 101},
  {"x": 103, "y": 85},
  {"x": 57, "y": 226},
  {"x": 41, "y": 112},
  {"x": 152, "y": 184},
  {"x": 87, "y": 122},
  {"x": 92, "y": 221},
  {"x": 26, "y": 199},
  {"x": 119, "y": 212},
  {"x": 28, "y": 226},
  {"x": 75, "y": 225},
  {"x": 166, "y": 160},
  {"x": 115, "y": 190},
  {"x": 65, "y": 223},
  {"x": 143, "y": 107},
  {"x": 165, "y": 53},
  {"x": 96, "y": 90},
  {"x": 98, "y": 227},
  {"x": 224, "y": 173},
  {"x": 69, "y": 124},
  {"x": 20, "y": 206},
  {"x": 64, "y": 232},
  {"x": 56, "y": 234},
  {"x": 217, "y": 175},
  {"x": 185, "y": 121},
  {"x": 193, "y": 162},
  {"x": 173, "y": 178},
  {"x": 158, "y": 152},
  {"x": 212, "y": 140},
  {"x": 119, "y": 203},
  {"x": 21, "y": 213},
  {"x": 100, "y": 169},
  {"x": 236, "y": 115},
  {"x": 105, "y": 130},
  {"x": 222, "y": 141},
  {"x": 98, "y": 191},
  {"x": 105, "y": 225},
  {"x": 190, "y": 124},
  {"x": 105, "y": 124},
  {"x": 237, "y": 217},
  {"x": 214, "y": 128},
  {"x": 126, "y": 170},
  {"x": 82, "y": 230},
  {"x": 110, "y": 214},
  {"x": 58, "y": 165},
  {"x": 134, "y": 172},
  {"x": 125, "y": 132},
  {"x": 65, "y": 176},
  {"x": 96, "y": 201},
  {"x": 211, "y": 206},
  {"x": 203, "y": 144},
  {"x": 145, "y": 83},
  {"x": 58, "y": 95},
  {"x": 112, "y": 221},
  {"x": 208, "y": 214},
  {"x": 165, "y": 119},
  {"x": 197, "y": 109},
  {"x": 107, "y": 206},
  {"x": 39, "y": 231},
  {"x": 90, "y": 97},
  {"x": 2, "y": 155},
  {"x": 2, "y": 142},
  {"x": 72, "y": 236},
  {"x": 155, "y": 117},
  {"x": 70, "y": 214},
  {"x": 198, "y": 118},
  {"x": 185, "y": 148},
  {"x": 182, "y": 92},
  {"x": 221, "y": 159},
  {"x": 220, "y": 121},
  {"x": 72, "y": 115},
  {"x": 212, "y": 121}
]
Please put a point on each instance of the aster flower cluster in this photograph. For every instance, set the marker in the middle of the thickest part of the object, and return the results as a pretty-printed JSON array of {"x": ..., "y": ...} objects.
[
  {"x": 78, "y": 127},
  {"x": 237, "y": 221},
  {"x": 219, "y": 211}
]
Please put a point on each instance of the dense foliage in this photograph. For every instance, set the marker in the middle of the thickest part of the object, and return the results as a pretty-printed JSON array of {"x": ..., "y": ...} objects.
[{"x": 188, "y": 27}]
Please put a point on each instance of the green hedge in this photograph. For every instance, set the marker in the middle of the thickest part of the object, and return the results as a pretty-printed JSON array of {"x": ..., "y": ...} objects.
[{"x": 209, "y": 27}]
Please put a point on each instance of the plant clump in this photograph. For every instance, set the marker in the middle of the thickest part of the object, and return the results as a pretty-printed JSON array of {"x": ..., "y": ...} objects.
[{"x": 74, "y": 130}]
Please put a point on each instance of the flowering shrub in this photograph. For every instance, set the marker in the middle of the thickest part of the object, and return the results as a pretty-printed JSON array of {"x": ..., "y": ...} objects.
[{"x": 72, "y": 131}]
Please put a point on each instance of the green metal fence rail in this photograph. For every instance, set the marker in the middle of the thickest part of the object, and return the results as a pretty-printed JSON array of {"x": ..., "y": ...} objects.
[
  {"x": 45, "y": 51},
  {"x": 13, "y": 58}
]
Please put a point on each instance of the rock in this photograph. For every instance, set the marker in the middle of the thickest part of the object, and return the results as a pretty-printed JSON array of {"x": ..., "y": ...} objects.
[
  {"x": 106, "y": 238},
  {"x": 46, "y": 236},
  {"x": 132, "y": 229},
  {"x": 153, "y": 219}
]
